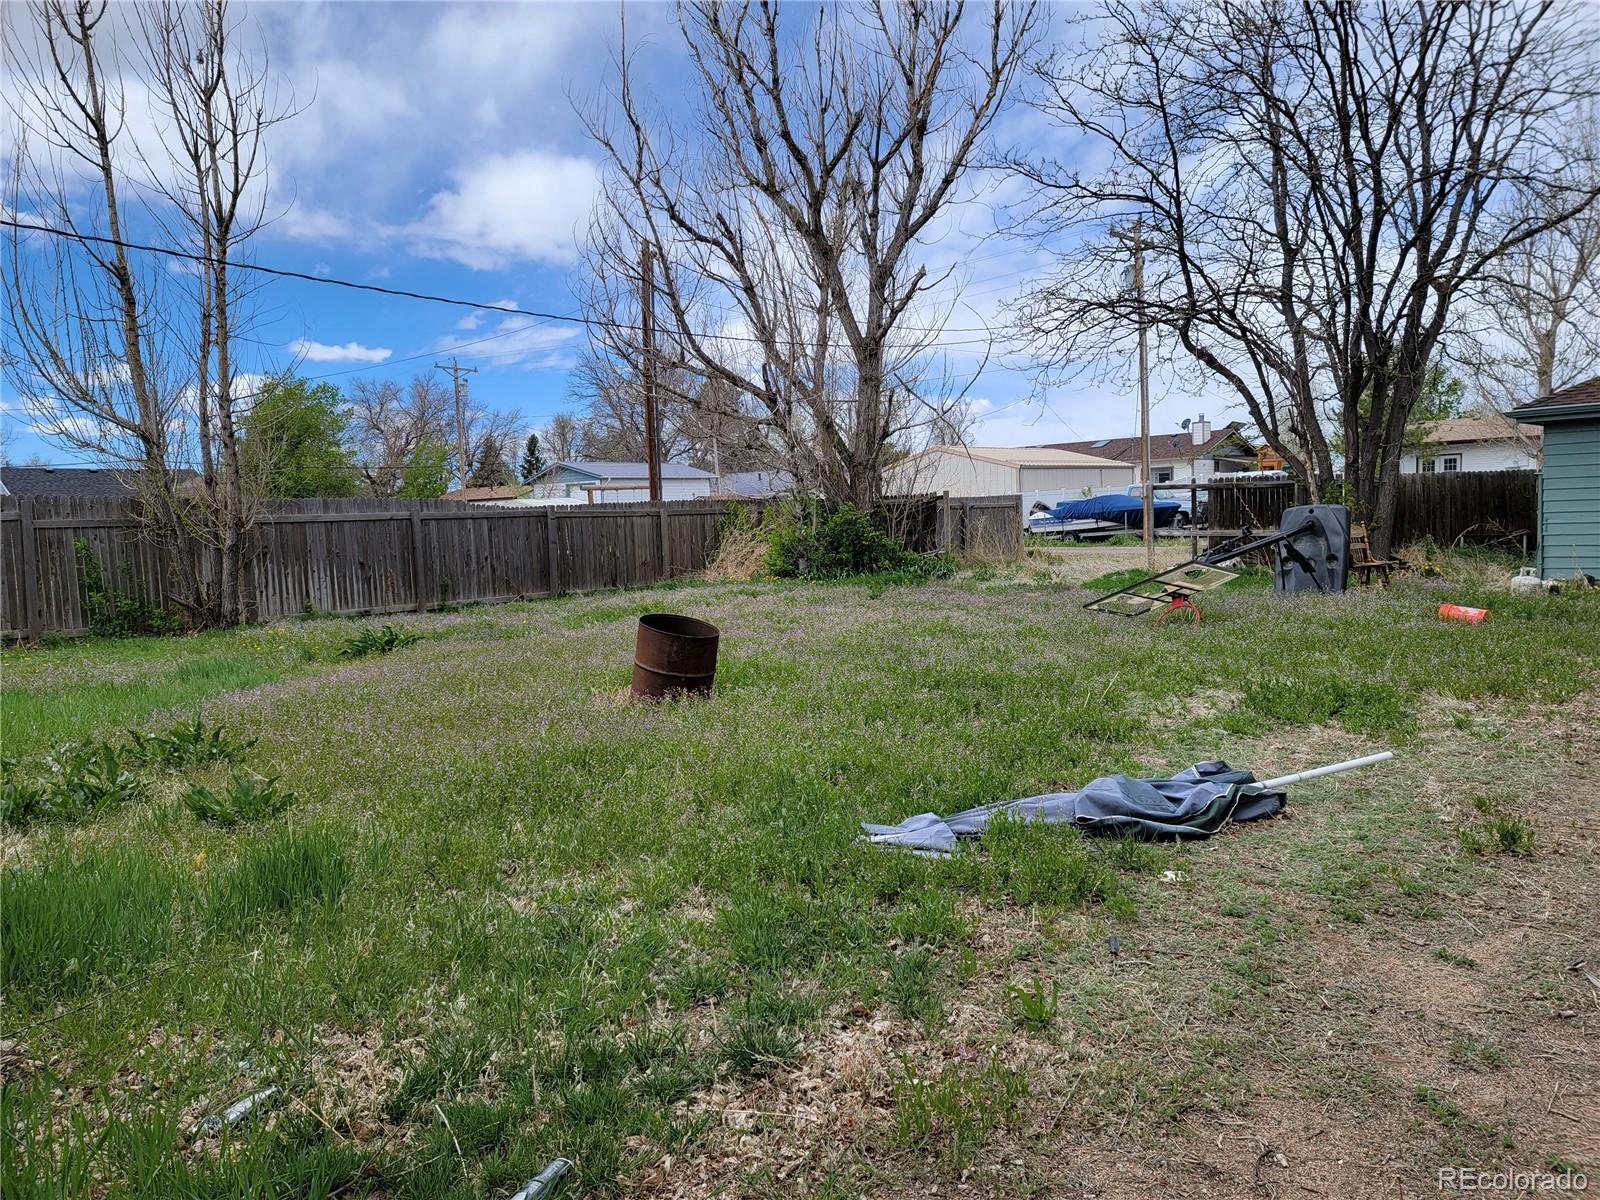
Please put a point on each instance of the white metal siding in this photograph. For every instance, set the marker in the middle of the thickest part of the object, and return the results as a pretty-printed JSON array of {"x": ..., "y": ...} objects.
[
  {"x": 953, "y": 472},
  {"x": 1073, "y": 479}
]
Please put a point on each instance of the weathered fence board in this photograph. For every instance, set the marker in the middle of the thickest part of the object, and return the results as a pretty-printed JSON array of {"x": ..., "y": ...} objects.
[
  {"x": 1481, "y": 506},
  {"x": 382, "y": 556}
]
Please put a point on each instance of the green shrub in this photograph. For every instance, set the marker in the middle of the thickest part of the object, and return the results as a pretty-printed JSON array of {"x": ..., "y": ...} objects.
[
  {"x": 113, "y": 613},
  {"x": 73, "y": 919},
  {"x": 80, "y": 780},
  {"x": 296, "y": 869},
  {"x": 841, "y": 544},
  {"x": 21, "y": 800},
  {"x": 181, "y": 746},
  {"x": 246, "y": 798},
  {"x": 377, "y": 641}
]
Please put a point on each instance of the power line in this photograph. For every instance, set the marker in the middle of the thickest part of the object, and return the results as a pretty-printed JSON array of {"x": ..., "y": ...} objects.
[{"x": 407, "y": 294}]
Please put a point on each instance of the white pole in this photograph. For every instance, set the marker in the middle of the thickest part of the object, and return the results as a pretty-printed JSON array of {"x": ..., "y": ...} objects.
[{"x": 1282, "y": 781}]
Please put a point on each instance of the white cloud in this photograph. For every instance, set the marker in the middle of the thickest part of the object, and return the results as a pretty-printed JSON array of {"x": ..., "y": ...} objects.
[
  {"x": 523, "y": 207},
  {"x": 518, "y": 341},
  {"x": 349, "y": 352}
]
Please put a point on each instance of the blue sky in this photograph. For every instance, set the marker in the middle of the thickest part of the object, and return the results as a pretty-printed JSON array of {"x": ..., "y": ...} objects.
[{"x": 438, "y": 150}]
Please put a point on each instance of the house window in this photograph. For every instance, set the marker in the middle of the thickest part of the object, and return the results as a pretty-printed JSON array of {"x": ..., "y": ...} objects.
[
  {"x": 1427, "y": 465},
  {"x": 1450, "y": 462},
  {"x": 1163, "y": 476}
]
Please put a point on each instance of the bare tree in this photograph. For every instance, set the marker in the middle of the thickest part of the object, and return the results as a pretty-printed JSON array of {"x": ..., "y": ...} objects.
[
  {"x": 87, "y": 325},
  {"x": 561, "y": 437},
  {"x": 223, "y": 101},
  {"x": 389, "y": 422},
  {"x": 785, "y": 225},
  {"x": 1318, "y": 187},
  {"x": 1540, "y": 311},
  {"x": 112, "y": 362}
]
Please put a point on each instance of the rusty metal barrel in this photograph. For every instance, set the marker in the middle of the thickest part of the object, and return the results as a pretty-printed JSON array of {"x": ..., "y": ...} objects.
[{"x": 674, "y": 655}]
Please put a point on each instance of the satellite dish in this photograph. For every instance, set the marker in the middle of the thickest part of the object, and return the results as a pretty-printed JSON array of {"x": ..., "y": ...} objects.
[{"x": 1186, "y": 424}]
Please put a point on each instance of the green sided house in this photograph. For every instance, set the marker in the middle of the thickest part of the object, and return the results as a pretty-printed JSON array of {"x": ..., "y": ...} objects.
[{"x": 1569, "y": 490}]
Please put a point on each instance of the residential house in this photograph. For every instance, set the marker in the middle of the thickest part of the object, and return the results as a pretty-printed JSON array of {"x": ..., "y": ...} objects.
[
  {"x": 755, "y": 485},
  {"x": 617, "y": 482},
  {"x": 1194, "y": 453},
  {"x": 1569, "y": 488},
  {"x": 1004, "y": 471},
  {"x": 1486, "y": 443}
]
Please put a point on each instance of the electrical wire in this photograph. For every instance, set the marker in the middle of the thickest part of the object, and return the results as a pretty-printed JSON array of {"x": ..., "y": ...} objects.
[{"x": 408, "y": 294}]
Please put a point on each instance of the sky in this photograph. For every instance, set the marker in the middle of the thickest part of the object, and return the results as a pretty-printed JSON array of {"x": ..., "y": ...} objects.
[{"x": 439, "y": 148}]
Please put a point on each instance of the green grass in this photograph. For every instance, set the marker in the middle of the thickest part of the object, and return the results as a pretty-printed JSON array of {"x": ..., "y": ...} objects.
[
  {"x": 549, "y": 916},
  {"x": 72, "y": 921}
]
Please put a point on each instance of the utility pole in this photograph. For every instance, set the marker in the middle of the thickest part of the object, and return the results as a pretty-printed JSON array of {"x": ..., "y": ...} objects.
[
  {"x": 647, "y": 370},
  {"x": 456, "y": 372},
  {"x": 1136, "y": 240}
]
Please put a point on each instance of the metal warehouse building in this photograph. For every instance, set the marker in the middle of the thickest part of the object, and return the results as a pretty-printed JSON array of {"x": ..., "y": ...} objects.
[{"x": 1004, "y": 470}]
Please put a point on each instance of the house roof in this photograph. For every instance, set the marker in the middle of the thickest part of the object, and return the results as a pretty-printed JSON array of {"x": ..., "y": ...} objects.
[
  {"x": 89, "y": 483},
  {"x": 1164, "y": 447},
  {"x": 1581, "y": 399},
  {"x": 1462, "y": 430},
  {"x": 627, "y": 470},
  {"x": 510, "y": 491},
  {"x": 1026, "y": 456},
  {"x": 757, "y": 483}
]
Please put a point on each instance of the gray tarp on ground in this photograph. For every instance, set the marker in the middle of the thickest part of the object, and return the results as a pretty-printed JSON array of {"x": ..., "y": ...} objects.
[{"x": 1194, "y": 803}]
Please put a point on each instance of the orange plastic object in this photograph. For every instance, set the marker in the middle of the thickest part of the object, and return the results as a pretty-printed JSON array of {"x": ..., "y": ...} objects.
[{"x": 1459, "y": 612}]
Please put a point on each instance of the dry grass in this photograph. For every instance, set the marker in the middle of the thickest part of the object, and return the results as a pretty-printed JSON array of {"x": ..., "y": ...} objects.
[{"x": 741, "y": 556}]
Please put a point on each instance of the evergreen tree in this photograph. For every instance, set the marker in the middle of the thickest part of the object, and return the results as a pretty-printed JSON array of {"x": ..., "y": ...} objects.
[
  {"x": 532, "y": 460},
  {"x": 489, "y": 468}
]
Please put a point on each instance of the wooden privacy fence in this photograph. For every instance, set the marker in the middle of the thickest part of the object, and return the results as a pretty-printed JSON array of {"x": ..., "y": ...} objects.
[
  {"x": 351, "y": 556},
  {"x": 1446, "y": 506},
  {"x": 1480, "y": 506},
  {"x": 981, "y": 525},
  {"x": 383, "y": 556}
]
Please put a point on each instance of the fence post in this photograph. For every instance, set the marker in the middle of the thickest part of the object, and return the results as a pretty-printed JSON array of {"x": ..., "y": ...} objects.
[
  {"x": 31, "y": 616},
  {"x": 419, "y": 573},
  {"x": 552, "y": 550},
  {"x": 1194, "y": 516},
  {"x": 666, "y": 546}
]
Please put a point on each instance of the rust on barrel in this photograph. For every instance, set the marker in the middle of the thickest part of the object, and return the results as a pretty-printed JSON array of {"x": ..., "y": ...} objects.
[{"x": 674, "y": 655}]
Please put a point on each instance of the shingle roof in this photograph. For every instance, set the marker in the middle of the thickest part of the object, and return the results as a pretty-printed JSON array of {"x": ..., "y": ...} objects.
[
  {"x": 1579, "y": 394},
  {"x": 757, "y": 483},
  {"x": 1163, "y": 446},
  {"x": 1459, "y": 430},
  {"x": 630, "y": 470},
  {"x": 97, "y": 483},
  {"x": 510, "y": 491}
]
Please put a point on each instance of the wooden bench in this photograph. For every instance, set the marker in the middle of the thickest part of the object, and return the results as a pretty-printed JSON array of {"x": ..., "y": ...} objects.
[{"x": 1363, "y": 564}]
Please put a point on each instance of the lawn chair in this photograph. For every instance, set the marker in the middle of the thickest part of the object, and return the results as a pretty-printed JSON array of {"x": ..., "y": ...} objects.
[{"x": 1361, "y": 561}]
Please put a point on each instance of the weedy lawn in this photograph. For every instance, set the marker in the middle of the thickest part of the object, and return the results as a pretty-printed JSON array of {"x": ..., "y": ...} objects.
[{"x": 470, "y": 908}]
